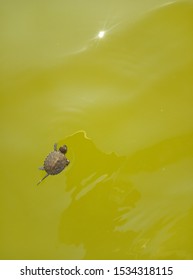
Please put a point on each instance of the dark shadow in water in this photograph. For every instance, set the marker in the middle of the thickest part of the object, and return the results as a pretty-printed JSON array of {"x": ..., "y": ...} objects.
[
  {"x": 102, "y": 195},
  {"x": 99, "y": 201}
]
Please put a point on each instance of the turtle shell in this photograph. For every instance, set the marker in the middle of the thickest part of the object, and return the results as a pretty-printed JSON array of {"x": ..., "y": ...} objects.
[{"x": 55, "y": 163}]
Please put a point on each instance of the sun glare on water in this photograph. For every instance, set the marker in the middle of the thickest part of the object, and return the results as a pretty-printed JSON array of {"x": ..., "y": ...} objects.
[{"x": 101, "y": 34}]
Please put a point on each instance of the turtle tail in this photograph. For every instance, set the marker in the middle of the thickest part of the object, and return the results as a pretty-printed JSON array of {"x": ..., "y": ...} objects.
[{"x": 43, "y": 179}]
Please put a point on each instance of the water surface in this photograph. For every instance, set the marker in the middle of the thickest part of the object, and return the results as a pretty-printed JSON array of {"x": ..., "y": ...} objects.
[{"x": 122, "y": 103}]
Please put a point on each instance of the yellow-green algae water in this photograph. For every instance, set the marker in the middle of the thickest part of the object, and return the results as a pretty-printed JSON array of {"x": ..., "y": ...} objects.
[{"x": 113, "y": 81}]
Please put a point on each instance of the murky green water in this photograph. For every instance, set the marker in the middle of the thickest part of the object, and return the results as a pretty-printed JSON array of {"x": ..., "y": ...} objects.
[{"x": 123, "y": 106}]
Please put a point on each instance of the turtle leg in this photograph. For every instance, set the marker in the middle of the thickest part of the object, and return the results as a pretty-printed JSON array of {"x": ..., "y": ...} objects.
[
  {"x": 43, "y": 178},
  {"x": 41, "y": 168},
  {"x": 55, "y": 147}
]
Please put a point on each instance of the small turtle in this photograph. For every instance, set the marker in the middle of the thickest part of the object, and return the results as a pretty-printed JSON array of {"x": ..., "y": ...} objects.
[{"x": 55, "y": 162}]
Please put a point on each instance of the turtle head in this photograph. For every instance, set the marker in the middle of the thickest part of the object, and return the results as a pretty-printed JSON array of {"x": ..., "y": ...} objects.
[{"x": 63, "y": 149}]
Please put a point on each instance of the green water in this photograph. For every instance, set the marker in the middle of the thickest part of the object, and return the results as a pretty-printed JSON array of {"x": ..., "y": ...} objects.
[{"x": 123, "y": 106}]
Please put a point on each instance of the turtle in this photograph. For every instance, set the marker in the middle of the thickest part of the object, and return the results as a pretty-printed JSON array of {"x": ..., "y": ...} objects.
[{"x": 55, "y": 162}]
